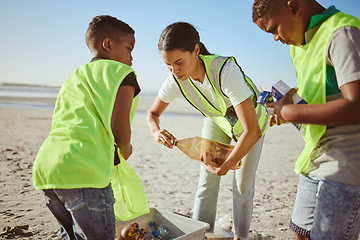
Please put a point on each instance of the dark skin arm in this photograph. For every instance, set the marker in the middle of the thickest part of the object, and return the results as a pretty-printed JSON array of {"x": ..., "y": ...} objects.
[
  {"x": 120, "y": 120},
  {"x": 345, "y": 111}
]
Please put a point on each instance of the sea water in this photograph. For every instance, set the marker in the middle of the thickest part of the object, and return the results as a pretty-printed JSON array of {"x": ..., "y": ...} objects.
[
  {"x": 37, "y": 97},
  {"x": 27, "y": 96}
]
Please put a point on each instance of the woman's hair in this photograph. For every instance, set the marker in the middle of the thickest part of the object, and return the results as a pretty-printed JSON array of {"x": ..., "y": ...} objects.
[
  {"x": 105, "y": 26},
  {"x": 182, "y": 36}
]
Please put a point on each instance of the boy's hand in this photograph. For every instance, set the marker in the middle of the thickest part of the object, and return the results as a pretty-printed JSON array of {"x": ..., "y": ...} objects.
[
  {"x": 164, "y": 137},
  {"x": 276, "y": 117},
  {"x": 274, "y": 120},
  {"x": 126, "y": 152}
]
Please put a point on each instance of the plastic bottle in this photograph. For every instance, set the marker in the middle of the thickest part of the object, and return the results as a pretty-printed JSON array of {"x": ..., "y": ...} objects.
[
  {"x": 163, "y": 232},
  {"x": 151, "y": 226},
  {"x": 155, "y": 235},
  {"x": 212, "y": 152}
]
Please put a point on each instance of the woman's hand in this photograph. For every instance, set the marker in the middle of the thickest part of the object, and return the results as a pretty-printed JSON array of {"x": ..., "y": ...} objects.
[
  {"x": 164, "y": 137},
  {"x": 153, "y": 120},
  {"x": 216, "y": 170}
]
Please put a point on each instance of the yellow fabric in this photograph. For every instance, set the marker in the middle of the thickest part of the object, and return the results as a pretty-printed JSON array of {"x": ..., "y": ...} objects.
[
  {"x": 130, "y": 198},
  {"x": 310, "y": 67},
  {"x": 79, "y": 151},
  {"x": 129, "y": 194}
]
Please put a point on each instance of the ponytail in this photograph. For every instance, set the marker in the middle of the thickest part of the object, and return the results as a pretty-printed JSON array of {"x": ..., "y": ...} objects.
[{"x": 203, "y": 50}]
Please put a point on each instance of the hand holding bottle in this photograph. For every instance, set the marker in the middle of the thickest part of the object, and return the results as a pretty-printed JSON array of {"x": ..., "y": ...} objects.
[{"x": 164, "y": 137}]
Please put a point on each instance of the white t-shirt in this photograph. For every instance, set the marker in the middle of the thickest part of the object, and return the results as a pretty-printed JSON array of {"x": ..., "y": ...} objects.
[
  {"x": 232, "y": 84},
  {"x": 344, "y": 54}
]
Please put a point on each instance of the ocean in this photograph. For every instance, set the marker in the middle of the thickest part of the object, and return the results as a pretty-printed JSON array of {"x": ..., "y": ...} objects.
[
  {"x": 44, "y": 97},
  {"x": 28, "y": 96}
]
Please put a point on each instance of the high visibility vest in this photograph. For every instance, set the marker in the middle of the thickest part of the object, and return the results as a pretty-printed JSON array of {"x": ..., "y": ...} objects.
[
  {"x": 224, "y": 116},
  {"x": 79, "y": 151},
  {"x": 310, "y": 66}
]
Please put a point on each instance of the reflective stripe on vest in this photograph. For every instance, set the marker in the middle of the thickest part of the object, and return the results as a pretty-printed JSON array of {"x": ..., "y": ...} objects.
[
  {"x": 310, "y": 66},
  {"x": 223, "y": 116}
]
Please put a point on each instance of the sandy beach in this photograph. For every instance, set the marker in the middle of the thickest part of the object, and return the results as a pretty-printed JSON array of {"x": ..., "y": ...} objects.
[{"x": 168, "y": 176}]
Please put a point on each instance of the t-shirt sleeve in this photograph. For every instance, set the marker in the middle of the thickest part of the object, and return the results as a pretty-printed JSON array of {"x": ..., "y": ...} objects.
[
  {"x": 233, "y": 83},
  {"x": 169, "y": 91},
  {"x": 344, "y": 54},
  {"x": 130, "y": 80}
]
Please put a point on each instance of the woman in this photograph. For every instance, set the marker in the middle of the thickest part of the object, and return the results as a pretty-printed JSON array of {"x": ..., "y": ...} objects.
[{"x": 219, "y": 89}]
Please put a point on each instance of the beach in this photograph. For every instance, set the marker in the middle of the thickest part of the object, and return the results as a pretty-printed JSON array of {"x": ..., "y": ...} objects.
[{"x": 168, "y": 176}]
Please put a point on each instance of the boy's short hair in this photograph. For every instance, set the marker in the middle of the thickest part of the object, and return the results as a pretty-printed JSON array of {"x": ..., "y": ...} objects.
[
  {"x": 105, "y": 26},
  {"x": 262, "y": 7}
]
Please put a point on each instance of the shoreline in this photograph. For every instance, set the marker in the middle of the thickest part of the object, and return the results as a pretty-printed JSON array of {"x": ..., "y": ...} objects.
[{"x": 177, "y": 108}]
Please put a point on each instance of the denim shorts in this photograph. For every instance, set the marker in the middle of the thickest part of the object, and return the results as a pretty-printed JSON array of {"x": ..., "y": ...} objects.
[
  {"x": 83, "y": 213},
  {"x": 326, "y": 210}
]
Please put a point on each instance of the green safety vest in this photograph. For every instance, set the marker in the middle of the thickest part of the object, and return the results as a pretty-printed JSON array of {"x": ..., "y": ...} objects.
[
  {"x": 309, "y": 62},
  {"x": 224, "y": 116},
  {"x": 79, "y": 151}
]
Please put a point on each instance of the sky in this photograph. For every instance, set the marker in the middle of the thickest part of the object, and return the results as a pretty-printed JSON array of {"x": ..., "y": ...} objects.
[{"x": 43, "y": 41}]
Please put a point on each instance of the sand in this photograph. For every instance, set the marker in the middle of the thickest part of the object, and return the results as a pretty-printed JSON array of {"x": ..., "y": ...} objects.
[{"x": 168, "y": 176}]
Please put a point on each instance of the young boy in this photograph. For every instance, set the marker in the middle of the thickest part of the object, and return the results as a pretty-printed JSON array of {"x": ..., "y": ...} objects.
[
  {"x": 325, "y": 51},
  {"x": 92, "y": 113}
]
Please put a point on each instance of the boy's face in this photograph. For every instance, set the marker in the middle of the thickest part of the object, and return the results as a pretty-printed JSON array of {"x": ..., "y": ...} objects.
[
  {"x": 285, "y": 25},
  {"x": 122, "y": 48}
]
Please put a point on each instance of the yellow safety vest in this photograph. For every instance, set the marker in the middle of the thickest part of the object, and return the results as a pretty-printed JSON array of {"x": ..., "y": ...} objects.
[
  {"x": 310, "y": 66},
  {"x": 225, "y": 117},
  {"x": 79, "y": 151}
]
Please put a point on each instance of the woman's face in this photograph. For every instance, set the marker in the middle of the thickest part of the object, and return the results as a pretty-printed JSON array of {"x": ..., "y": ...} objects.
[{"x": 180, "y": 63}]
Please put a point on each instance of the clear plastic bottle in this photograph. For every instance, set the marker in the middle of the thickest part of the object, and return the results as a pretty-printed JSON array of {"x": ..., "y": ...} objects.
[
  {"x": 149, "y": 233},
  {"x": 151, "y": 226},
  {"x": 212, "y": 152},
  {"x": 163, "y": 232},
  {"x": 155, "y": 235}
]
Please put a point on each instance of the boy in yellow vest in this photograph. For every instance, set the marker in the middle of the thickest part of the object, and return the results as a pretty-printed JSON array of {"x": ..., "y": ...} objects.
[
  {"x": 325, "y": 51},
  {"x": 92, "y": 113}
]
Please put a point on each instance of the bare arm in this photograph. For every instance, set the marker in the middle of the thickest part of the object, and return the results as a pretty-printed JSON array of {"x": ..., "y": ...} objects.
[
  {"x": 120, "y": 120},
  {"x": 345, "y": 111},
  {"x": 246, "y": 114},
  {"x": 153, "y": 120}
]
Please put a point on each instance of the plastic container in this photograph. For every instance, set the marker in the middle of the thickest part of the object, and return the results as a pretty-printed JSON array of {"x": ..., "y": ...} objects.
[{"x": 180, "y": 227}]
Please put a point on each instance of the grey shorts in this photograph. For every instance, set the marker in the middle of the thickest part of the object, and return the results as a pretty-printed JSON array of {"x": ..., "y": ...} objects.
[{"x": 326, "y": 210}]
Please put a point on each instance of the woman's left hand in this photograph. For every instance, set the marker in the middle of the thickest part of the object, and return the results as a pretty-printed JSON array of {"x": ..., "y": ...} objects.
[{"x": 220, "y": 171}]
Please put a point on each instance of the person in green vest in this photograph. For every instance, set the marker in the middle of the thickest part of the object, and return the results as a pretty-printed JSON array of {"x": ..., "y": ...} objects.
[
  {"x": 92, "y": 114},
  {"x": 325, "y": 51},
  {"x": 218, "y": 88}
]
